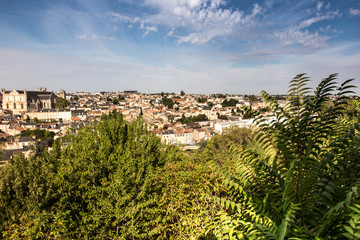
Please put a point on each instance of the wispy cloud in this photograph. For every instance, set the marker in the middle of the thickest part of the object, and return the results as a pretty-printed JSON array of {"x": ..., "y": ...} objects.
[
  {"x": 319, "y": 17},
  {"x": 354, "y": 12},
  {"x": 28, "y": 68},
  {"x": 94, "y": 36},
  {"x": 299, "y": 34},
  {"x": 83, "y": 36},
  {"x": 319, "y": 5},
  {"x": 149, "y": 29},
  {"x": 199, "y": 21},
  {"x": 80, "y": 36}
]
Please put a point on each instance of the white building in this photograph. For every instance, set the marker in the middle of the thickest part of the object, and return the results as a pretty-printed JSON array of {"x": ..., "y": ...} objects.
[
  {"x": 50, "y": 115},
  {"x": 220, "y": 126},
  {"x": 177, "y": 138}
]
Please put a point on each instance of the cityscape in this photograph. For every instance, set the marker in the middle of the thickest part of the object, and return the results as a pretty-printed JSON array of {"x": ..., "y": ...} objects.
[{"x": 179, "y": 119}]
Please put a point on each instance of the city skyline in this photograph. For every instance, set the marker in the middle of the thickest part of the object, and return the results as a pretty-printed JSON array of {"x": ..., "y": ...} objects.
[{"x": 199, "y": 46}]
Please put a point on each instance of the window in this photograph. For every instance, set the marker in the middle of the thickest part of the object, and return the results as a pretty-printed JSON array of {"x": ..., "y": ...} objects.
[
  {"x": 22, "y": 106},
  {"x": 14, "y": 105}
]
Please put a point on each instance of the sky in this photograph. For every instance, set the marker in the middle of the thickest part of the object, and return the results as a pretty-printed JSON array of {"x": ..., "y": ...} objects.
[{"x": 199, "y": 46}]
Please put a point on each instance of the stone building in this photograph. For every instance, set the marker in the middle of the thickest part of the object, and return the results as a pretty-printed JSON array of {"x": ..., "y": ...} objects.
[
  {"x": 20, "y": 101},
  {"x": 62, "y": 94}
]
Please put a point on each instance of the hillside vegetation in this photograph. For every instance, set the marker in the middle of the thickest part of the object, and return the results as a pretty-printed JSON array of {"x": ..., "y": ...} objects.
[{"x": 296, "y": 177}]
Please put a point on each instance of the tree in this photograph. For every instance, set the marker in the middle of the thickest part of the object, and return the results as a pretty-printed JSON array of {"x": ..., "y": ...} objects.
[
  {"x": 168, "y": 102},
  {"x": 115, "y": 101},
  {"x": 185, "y": 206},
  {"x": 229, "y": 103},
  {"x": 61, "y": 103},
  {"x": 201, "y": 100},
  {"x": 224, "y": 117},
  {"x": 116, "y": 160},
  {"x": 265, "y": 109},
  {"x": 218, "y": 95},
  {"x": 24, "y": 187},
  {"x": 293, "y": 180},
  {"x": 217, "y": 148},
  {"x": 37, "y": 133},
  {"x": 198, "y": 118},
  {"x": 98, "y": 183},
  {"x": 253, "y": 98},
  {"x": 182, "y": 93}
]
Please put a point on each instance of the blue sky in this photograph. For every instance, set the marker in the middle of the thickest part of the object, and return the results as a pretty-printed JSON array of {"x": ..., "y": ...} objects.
[{"x": 199, "y": 46}]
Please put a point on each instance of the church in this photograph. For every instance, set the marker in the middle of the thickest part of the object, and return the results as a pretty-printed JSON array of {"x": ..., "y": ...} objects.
[{"x": 20, "y": 101}]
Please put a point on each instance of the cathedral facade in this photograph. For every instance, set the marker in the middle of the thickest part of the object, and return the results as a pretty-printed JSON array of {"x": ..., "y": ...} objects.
[{"x": 20, "y": 101}]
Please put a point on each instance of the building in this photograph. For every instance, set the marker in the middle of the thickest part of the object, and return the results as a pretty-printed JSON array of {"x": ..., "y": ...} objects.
[
  {"x": 210, "y": 112},
  {"x": 21, "y": 101},
  {"x": 220, "y": 126},
  {"x": 51, "y": 115},
  {"x": 176, "y": 137}
]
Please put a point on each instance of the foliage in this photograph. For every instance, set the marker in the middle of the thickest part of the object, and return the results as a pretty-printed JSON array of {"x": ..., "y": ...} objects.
[
  {"x": 264, "y": 109},
  {"x": 218, "y": 148},
  {"x": 201, "y": 100},
  {"x": 293, "y": 181},
  {"x": 185, "y": 205},
  {"x": 115, "y": 101},
  {"x": 352, "y": 113},
  {"x": 198, "y": 118},
  {"x": 182, "y": 93},
  {"x": 229, "y": 103},
  {"x": 224, "y": 117},
  {"x": 61, "y": 103},
  {"x": 37, "y": 133},
  {"x": 97, "y": 184},
  {"x": 24, "y": 187},
  {"x": 279, "y": 97},
  {"x": 168, "y": 102},
  {"x": 295, "y": 177},
  {"x": 253, "y": 98},
  {"x": 219, "y": 95}
]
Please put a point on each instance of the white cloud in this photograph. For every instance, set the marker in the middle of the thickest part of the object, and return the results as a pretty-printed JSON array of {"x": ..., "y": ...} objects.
[
  {"x": 319, "y": 5},
  {"x": 24, "y": 69},
  {"x": 297, "y": 34},
  {"x": 319, "y": 17},
  {"x": 94, "y": 36},
  {"x": 149, "y": 29},
  {"x": 200, "y": 20},
  {"x": 80, "y": 36},
  {"x": 354, "y": 12},
  {"x": 305, "y": 38}
]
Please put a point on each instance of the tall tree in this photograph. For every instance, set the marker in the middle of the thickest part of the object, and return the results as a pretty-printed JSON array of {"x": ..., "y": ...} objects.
[
  {"x": 61, "y": 103},
  {"x": 96, "y": 184},
  {"x": 290, "y": 183}
]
